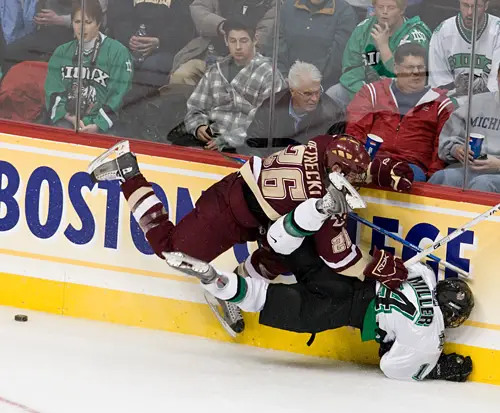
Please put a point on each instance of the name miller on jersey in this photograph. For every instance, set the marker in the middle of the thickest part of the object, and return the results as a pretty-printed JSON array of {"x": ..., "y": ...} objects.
[
  {"x": 425, "y": 301},
  {"x": 311, "y": 166},
  {"x": 95, "y": 74}
]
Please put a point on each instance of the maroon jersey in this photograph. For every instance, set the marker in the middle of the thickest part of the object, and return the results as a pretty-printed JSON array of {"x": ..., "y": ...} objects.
[{"x": 283, "y": 180}]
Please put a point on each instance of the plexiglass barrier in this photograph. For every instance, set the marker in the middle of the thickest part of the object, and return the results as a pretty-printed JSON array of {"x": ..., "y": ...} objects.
[{"x": 253, "y": 76}]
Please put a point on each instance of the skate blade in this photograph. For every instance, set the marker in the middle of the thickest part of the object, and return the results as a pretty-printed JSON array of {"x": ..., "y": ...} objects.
[
  {"x": 186, "y": 264},
  {"x": 118, "y": 149},
  {"x": 352, "y": 196},
  {"x": 214, "y": 306}
]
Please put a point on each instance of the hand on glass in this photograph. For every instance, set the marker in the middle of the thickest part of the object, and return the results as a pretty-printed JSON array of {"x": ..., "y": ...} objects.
[
  {"x": 459, "y": 153},
  {"x": 491, "y": 164},
  {"x": 144, "y": 45},
  {"x": 49, "y": 17},
  {"x": 381, "y": 34}
]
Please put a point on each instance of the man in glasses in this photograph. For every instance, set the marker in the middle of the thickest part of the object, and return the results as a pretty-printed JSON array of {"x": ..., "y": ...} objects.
[
  {"x": 404, "y": 112},
  {"x": 301, "y": 112}
]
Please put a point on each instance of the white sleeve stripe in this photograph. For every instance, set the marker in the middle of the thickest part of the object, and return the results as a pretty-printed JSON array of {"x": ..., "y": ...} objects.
[
  {"x": 443, "y": 105},
  {"x": 54, "y": 108},
  {"x": 373, "y": 93},
  {"x": 345, "y": 262},
  {"x": 145, "y": 205},
  {"x": 106, "y": 117}
]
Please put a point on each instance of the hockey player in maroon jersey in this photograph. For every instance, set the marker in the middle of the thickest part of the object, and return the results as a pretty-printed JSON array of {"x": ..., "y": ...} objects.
[{"x": 240, "y": 207}]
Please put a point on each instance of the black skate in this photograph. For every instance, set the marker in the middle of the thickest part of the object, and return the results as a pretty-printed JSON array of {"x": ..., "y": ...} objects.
[
  {"x": 117, "y": 163},
  {"x": 228, "y": 314}
]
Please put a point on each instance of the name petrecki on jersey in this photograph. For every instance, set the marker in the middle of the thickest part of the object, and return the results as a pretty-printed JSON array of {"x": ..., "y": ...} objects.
[
  {"x": 311, "y": 166},
  {"x": 95, "y": 74}
]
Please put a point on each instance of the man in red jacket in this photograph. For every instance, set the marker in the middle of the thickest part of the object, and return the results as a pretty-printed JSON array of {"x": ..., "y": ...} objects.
[{"x": 404, "y": 112}]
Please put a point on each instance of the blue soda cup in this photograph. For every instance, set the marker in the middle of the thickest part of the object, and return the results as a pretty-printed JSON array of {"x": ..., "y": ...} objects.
[
  {"x": 372, "y": 144},
  {"x": 476, "y": 143}
]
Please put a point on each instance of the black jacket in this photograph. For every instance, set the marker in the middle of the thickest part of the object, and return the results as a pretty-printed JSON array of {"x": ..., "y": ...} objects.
[
  {"x": 327, "y": 114},
  {"x": 172, "y": 25}
]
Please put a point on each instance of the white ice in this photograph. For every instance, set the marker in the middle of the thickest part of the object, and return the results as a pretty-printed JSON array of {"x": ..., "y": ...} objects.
[{"x": 54, "y": 364}]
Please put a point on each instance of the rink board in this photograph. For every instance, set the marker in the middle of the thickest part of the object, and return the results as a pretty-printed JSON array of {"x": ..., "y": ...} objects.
[{"x": 71, "y": 248}]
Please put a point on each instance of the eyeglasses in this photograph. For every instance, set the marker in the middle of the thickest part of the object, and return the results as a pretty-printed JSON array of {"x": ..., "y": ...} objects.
[
  {"x": 308, "y": 94},
  {"x": 413, "y": 68}
]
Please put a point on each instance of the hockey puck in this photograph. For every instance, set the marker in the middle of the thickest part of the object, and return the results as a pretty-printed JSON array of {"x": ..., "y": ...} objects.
[{"x": 21, "y": 317}]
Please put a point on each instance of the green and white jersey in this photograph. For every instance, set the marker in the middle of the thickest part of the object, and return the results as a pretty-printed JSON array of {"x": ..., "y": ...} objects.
[
  {"x": 361, "y": 62},
  {"x": 412, "y": 319},
  {"x": 107, "y": 76},
  {"x": 450, "y": 53}
]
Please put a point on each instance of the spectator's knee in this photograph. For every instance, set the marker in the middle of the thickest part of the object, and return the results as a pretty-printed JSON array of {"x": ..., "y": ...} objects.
[
  {"x": 484, "y": 183},
  {"x": 189, "y": 73},
  {"x": 437, "y": 178}
]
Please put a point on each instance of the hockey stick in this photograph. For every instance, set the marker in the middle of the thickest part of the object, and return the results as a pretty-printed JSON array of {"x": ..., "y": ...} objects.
[
  {"x": 446, "y": 264},
  {"x": 453, "y": 235}
]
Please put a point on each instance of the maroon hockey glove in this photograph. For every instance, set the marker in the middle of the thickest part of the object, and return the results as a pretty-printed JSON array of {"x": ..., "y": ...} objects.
[
  {"x": 386, "y": 269},
  {"x": 391, "y": 173}
]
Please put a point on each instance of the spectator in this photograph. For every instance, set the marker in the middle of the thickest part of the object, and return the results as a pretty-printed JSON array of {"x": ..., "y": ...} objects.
[
  {"x": 17, "y": 18},
  {"x": 53, "y": 22},
  {"x": 315, "y": 31},
  {"x": 107, "y": 74},
  {"x": 361, "y": 8},
  {"x": 301, "y": 112},
  {"x": 369, "y": 53},
  {"x": 169, "y": 27},
  {"x": 209, "y": 17},
  {"x": 484, "y": 174},
  {"x": 404, "y": 112},
  {"x": 223, "y": 104},
  {"x": 450, "y": 48}
]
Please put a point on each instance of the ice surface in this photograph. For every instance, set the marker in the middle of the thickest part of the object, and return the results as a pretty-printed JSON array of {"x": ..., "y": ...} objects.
[{"x": 54, "y": 364}]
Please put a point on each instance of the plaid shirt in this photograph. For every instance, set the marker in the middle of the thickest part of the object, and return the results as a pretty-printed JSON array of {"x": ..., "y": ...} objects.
[{"x": 229, "y": 107}]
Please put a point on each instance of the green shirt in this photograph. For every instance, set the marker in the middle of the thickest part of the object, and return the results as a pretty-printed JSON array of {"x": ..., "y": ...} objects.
[
  {"x": 104, "y": 84},
  {"x": 361, "y": 62}
]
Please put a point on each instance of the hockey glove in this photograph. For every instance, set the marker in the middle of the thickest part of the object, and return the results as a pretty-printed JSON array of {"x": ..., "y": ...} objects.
[
  {"x": 391, "y": 173},
  {"x": 452, "y": 367},
  {"x": 384, "y": 346},
  {"x": 386, "y": 269}
]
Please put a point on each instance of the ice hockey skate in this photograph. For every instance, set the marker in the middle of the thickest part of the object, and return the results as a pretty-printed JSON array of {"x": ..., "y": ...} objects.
[
  {"x": 352, "y": 197},
  {"x": 228, "y": 314},
  {"x": 117, "y": 163}
]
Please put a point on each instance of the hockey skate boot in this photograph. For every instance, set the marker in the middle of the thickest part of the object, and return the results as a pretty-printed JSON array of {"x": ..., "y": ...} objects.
[
  {"x": 228, "y": 314},
  {"x": 117, "y": 163},
  {"x": 194, "y": 267}
]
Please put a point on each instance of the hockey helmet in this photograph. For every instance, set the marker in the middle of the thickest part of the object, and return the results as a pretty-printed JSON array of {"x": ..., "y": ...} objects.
[
  {"x": 456, "y": 301},
  {"x": 349, "y": 154}
]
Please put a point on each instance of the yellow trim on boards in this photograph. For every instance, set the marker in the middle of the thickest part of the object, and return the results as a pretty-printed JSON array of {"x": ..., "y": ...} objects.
[{"x": 196, "y": 319}]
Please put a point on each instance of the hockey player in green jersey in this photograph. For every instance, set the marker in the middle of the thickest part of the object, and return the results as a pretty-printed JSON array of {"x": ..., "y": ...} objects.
[
  {"x": 368, "y": 55},
  {"x": 106, "y": 75}
]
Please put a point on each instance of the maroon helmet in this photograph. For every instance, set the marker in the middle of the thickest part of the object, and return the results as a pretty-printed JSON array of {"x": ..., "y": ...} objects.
[{"x": 349, "y": 154}]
